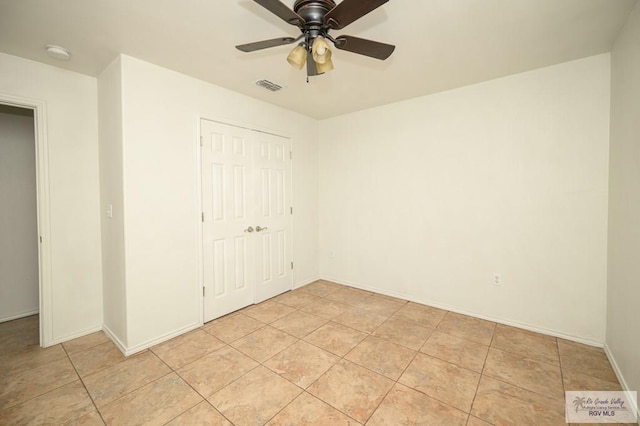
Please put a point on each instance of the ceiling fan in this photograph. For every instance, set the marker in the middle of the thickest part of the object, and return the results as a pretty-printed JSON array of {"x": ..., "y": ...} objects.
[{"x": 315, "y": 18}]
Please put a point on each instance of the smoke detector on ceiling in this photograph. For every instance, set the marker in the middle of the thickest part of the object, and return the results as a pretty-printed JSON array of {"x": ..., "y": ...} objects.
[{"x": 58, "y": 52}]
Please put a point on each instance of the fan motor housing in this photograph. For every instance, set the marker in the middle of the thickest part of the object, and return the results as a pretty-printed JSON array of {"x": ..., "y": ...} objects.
[{"x": 313, "y": 11}]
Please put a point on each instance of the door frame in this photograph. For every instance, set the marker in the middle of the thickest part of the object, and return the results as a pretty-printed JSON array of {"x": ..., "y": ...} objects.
[
  {"x": 39, "y": 109},
  {"x": 199, "y": 207}
]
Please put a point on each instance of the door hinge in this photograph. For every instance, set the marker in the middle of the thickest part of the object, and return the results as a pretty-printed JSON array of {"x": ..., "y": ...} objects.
[
  {"x": 203, "y": 216},
  {"x": 290, "y": 155},
  {"x": 201, "y": 143},
  {"x": 291, "y": 265},
  {"x": 40, "y": 238},
  {"x": 203, "y": 290},
  {"x": 291, "y": 210}
]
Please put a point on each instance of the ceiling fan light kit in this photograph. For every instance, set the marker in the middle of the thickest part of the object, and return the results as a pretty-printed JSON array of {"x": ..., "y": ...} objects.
[{"x": 315, "y": 18}]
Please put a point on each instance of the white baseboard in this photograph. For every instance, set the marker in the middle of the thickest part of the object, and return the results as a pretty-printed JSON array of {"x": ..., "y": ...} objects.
[
  {"x": 623, "y": 382},
  {"x": 82, "y": 333},
  {"x": 18, "y": 316},
  {"x": 127, "y": 351},
  {"x": 457, "y": 310},
  {"x": 305, "y": 282},
  {"x": 111, "y": 335}
]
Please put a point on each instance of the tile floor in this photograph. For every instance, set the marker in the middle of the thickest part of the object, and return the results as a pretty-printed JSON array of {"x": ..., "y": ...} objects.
[{"x": 323, "y": 354}]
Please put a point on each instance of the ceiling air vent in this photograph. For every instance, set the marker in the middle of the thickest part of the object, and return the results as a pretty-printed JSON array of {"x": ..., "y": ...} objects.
[{"x": 269, "y": 85}]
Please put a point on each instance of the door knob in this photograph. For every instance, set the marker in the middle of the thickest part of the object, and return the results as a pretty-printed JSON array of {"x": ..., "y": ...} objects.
[
  {"x": 258, "y": 228},
  {"x": 249, "y": 229}
]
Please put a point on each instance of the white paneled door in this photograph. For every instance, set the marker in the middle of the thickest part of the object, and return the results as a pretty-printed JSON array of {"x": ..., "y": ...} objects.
[{"x": 246, "y": 198}]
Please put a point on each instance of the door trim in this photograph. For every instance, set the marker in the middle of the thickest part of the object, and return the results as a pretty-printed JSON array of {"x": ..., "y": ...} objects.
[
  {"x": 43, "y": 210},
  {"x": 199, "y": 207}
]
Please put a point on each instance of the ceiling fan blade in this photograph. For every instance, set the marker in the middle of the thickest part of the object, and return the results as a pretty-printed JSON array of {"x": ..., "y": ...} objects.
[
  {"x": 349, "y": 11},
  {"x": 312, "y": 71},
  {"x": 365, "y": 47},
  {"x": 265, "y": 44},
  {"x": 282, "y": 11}
]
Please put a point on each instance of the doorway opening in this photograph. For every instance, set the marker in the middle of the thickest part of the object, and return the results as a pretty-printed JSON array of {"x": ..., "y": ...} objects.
[{"x": 24, "y": 224}]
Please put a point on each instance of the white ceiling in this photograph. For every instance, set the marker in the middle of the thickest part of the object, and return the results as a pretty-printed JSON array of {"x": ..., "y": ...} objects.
[{"x": 441, "y": 44}]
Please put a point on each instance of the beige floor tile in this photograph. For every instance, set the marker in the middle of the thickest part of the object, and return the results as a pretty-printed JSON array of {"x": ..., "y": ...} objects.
[
  {"x": 233, "y": 328},
  {"x": 91, "y": 419},
  {"x": 202, "y": 414},
  {"x": 336, "y": 338},
  {"x": 85, "y": 342},
  {"x": 302, "y": 363},
  {"x": 348, "y": 296},
  {"x": 20, "y": 326},
  {"x": 529, "y": 374},
  {"x": 212, "y": 372},
  {"x": 403, "y": 333},
  {"x": 466, "y": 327},
  {"x": 320, "y": 288},
  {"x": 474, "y": 421},
  {"x": 299, "y": 323},
  {"x": 136, "y": 371},
  {"x": 381, "y": 356},
  {"x": 297, "y": 299},
  {"x": 360, "y": 320},
  {"x": 20, "y": 387},
  {"x": 29, "y": 358},
  {"x": 96, "y": 358},
  {"x": 503, "y": 404},
  {"x": 186, "y": 348},
  {"x": 15, "y": 343},
  {"x": 462, "y": 352},
  {"x": 381, "y": 306},
  {"x": 264, "y": 343},
  {"x": 526, "y": 343},
  {"x": 405, "y": 406},
  {"x": 422, "y": 315},
  {"x": 443, "y": 381},
  {"x": 309, "y": 410},
  {"x": 585, "y": 359},
  {"x": 254, "y": 398},
  {"x": 268, "y": 312},
  {"x": 153, "y": 404},
  {"x": 57, "y": 407},
  {"x": 354, "y": 390},
  {"x": 574, "y": 381},
  {"x": 326, "y": 308}
]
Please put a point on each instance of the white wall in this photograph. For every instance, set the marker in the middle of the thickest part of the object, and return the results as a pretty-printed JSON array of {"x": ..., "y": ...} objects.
[
  {"x": 160, "y": 127},
  {"x": 111, "y": 193},
  {"x": 427, "y": 198},
  {"x": 624, "y": 205},
  {"x": 19, "y": 284},
  {"x": 72, "y": 136}
]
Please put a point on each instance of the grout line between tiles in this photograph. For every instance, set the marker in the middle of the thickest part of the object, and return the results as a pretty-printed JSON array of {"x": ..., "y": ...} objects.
[{"x": 84, "y": 386}]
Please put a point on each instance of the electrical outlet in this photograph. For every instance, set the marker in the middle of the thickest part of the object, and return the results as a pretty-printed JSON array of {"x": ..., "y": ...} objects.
[{"x": 497, "y": 279}]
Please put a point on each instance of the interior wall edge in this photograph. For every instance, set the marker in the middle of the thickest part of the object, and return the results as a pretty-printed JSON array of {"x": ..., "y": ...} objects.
[
  {"x": 620, "y": 376},
  {"x": 462, "y": 311}
]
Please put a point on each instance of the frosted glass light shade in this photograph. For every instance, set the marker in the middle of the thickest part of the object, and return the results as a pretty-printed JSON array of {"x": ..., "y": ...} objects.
[
  {"x": 320, "y": 50},
  {"x": 298, "y": 57},
  {"x": 325, "y": 67}
]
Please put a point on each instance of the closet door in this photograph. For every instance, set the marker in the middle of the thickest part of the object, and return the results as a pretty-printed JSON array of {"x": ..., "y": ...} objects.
[
  {"x": 273, "y": 221},
  {"x": 246, "y": 198},
  {"x": 227, "y": 201}
]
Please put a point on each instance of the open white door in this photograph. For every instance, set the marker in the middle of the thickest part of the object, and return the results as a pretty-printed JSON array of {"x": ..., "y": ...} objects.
[{"x": 246, "y": 187}]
